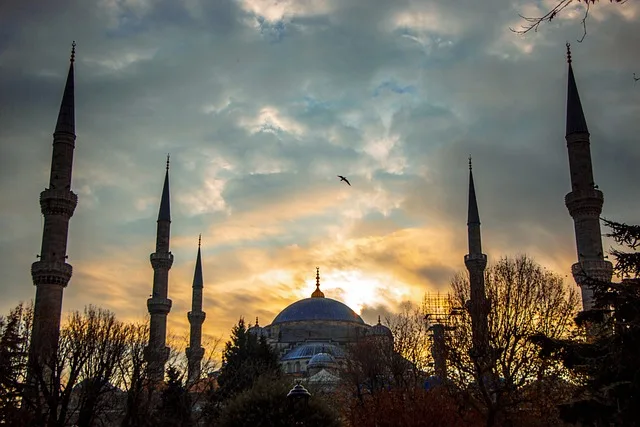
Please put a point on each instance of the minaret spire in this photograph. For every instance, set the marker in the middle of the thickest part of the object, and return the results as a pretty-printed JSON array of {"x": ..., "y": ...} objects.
[
  {"x": 159, "y": 305},
  {"x": 473, "y": 217},
  {"x": 585, "y": 201},
  {"x": 164, "y": 214},
  {"x": 575, "y": 116},
  {"x": 51, "y": 273},
  {"x": 196, "y": 317},
  {"x": 476, "y": 262}
]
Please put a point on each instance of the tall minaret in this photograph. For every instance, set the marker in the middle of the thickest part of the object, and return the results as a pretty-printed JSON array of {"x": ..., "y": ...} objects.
[
  {"x": 51, "y": 273},
  {"x": 157, "y": 353},
  {"x": 585, "y": 201},
  {"x": 476, "y": 262},
  {"x": 196, "y": 317}
]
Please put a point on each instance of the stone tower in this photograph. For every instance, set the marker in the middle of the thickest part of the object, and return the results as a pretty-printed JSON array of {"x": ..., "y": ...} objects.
[
  {"x": 196, "y": 317},
  {"x": 585, "y": 201},
  {"x": 157, "y": 353},
  {"x": 476, "y": 262},
  {"x": 51, "y": 273}
]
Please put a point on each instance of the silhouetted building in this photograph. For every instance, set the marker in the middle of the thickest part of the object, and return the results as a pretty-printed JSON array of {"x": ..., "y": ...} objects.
[
  {"x": 585, "y": 201},
  {"x": 159, "y": 305}
]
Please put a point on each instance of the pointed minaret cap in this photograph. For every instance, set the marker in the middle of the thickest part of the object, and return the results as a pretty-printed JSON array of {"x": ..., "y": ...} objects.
[
  {"x": 165, "y": 209},
  {"x": 66, "y": 116},
  {"x": 473, "y": 216},
  {"x": 198, "y": 282},
  {"x": 317, "y": 293},
  {"x": 576, "y": 123}
]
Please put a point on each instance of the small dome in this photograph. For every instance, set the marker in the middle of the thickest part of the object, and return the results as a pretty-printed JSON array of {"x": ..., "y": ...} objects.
[
  {"x": 322, "y": 360},
  {"x": 257, "y": 329},
  {"x": 380, "y": 330},
  {"x": 306, "y": 351}
]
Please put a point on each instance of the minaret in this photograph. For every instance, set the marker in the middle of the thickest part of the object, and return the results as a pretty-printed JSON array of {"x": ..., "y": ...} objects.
[
  {"x": 585, "y": 201},
  {"x": 196, "y": 317},
  {"x": 157, "y": 353},
  {"x": 51, "y": 273},
  {"x": 476, "y": 262}
]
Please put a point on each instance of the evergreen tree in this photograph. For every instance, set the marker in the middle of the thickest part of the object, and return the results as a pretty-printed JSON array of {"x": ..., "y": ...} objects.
[
  {"x": 606, "y": 365},
  {"x": 176, "y": 403},
  {"x": 245, "y": 358},
  {"x": 14, "y": 341}
]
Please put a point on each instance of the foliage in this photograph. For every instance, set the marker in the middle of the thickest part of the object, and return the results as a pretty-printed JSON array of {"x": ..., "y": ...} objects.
[
  {"x": 265, "y": 404},
  {"x": 605, "y": 362},
  {"x": 175, "y": 410},
  {"x": 525, "y": 300},
  {"x": 14, "y": 343},
  {"x": 377, "y": 363},
  {"x": 245, "y": 358},
  {"x": 413, "y": 407}
]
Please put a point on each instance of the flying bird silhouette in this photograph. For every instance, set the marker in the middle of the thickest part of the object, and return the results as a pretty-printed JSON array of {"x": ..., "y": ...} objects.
[
  {"x": 342, "y": 178},
  {"x": 635, "y": 79}
]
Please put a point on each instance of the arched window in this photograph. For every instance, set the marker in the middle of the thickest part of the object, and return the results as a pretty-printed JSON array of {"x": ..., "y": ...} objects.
[{"x": 297, "y": 367}]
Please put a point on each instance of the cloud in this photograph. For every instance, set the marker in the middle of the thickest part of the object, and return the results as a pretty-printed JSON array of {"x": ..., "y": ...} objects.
[{"x": 262, "y": 103}]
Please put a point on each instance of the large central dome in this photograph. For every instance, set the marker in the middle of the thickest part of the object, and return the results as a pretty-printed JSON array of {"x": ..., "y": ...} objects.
[{"x": 317, "y": 309}]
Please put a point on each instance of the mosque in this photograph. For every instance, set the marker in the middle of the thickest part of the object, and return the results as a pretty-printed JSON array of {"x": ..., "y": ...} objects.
[{"x": 312, "y": 334}]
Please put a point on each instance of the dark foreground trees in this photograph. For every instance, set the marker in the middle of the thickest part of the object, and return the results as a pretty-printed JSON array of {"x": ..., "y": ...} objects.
[
  {"x": 605, "y": 362},
  {"x": 525, "y": 300},
  {"x": 265, "y": 404}
]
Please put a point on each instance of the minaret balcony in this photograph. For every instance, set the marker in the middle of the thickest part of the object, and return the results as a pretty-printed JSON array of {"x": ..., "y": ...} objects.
[
  {"x": 475, "y": 257},
  {"x": 588, "y": 202},
  {"x": 158, "y": 305},
  {"x": 51, "y": 273},
  {"x": 593, "y": 269},
  {"x": 161, "y": 260},
  {"x": 58, "y": 202},
  {"x": 475, "y": 262},
  {"x": 196, "y": 317}
]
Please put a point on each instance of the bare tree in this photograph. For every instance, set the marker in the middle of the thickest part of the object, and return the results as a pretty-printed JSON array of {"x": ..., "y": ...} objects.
[
  {"x": 526, "y": 300},
  {"x": 533, "y": 23}
]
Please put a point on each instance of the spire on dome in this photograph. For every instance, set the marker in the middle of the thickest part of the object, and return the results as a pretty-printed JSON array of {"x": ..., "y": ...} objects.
[
  {"x": 378, "y": 319},
  {"x": 257, "y": 324},
  {"x": 198, "y": 281},
  {"x": 576, "y": 123},
  {"x": 66, "y": 116},
  {"x": 165, "y": 210},
  {"x": 317, "y": 293}
]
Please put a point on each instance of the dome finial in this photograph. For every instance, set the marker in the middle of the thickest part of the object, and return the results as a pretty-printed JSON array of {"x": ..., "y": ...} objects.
[
  {"x": 73, "y": 51},
  {"x": 168, "y": 156},
  {"x": 378, "y": 319},
  {"x": 317, "y": 293},
  {"x": 257, "y": 321},
  {"x": 568, "y": 53},
  {"x": 470, "y": 166},
  {"x": 199, "y": 240}
]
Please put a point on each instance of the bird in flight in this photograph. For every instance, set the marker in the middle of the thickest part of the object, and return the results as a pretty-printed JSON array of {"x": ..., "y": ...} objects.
[
  {"x": 342, "y": 178},
  {"x": 635, "y": 79}
]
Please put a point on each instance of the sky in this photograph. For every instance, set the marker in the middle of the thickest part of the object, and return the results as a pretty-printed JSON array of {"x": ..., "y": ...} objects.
[{"x": 261, "y": 104}]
